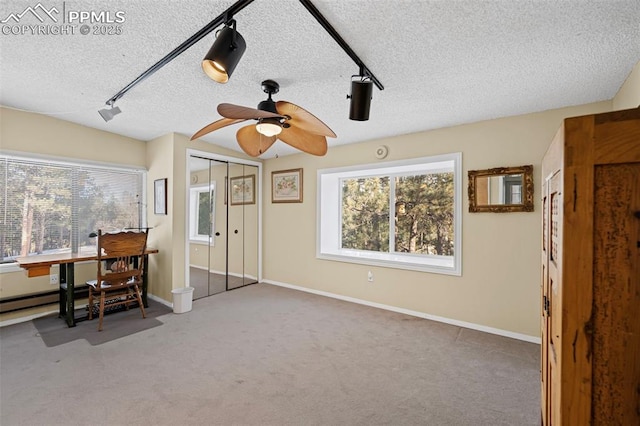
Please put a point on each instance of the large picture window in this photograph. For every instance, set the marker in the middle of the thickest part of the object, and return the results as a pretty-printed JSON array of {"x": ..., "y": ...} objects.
[
  {"x": 399, "y": 214},
  {"x": 54, "y": 206}
]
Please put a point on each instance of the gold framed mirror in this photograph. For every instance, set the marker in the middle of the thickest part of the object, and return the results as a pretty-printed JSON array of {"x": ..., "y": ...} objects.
[{"x": 501, "y": 190}]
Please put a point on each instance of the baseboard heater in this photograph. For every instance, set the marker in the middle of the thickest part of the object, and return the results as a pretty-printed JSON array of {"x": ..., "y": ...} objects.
[{"x": 17, "y": 303}]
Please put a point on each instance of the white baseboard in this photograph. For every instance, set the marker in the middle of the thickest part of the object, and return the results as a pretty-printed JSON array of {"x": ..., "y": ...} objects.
[
  {"x": 159, "y": 300},
  {"x": 464, "y": 324},
  {"x": 204, "y": 268},
  {"x": 18, "y": 320}
]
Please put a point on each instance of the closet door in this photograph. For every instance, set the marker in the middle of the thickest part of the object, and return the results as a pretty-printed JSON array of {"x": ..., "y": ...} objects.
[
  {"x": 224, "y": 226},
  {"x": 207, "y": 227},
  {"x": 217, "y": 277},
  {"x": 243, "y": 226},
  {"x": 250, "y": 238}
]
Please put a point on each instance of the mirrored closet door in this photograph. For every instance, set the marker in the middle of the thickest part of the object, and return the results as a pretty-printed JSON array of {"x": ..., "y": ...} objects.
[{"x": 223, "y": 219}]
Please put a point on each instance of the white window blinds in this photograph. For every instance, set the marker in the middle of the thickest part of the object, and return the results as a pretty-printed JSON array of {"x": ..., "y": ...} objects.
[{"x": 51, "y": 206}]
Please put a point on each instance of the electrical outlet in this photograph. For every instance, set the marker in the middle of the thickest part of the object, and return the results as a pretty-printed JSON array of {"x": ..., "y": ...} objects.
[
  {"x": 370, "y": 276},
  {"x": 53, "y": 279}
]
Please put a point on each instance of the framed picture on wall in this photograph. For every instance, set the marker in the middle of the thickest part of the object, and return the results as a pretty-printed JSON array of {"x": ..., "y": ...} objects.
[
  {"x": 242, "y": 189},
  {"x": 160, "y": 196},
  {"x": 286, "y": 186}
]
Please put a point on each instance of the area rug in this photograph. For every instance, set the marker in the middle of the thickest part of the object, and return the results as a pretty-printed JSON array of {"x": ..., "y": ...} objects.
[{"x": 54, "y": 330}]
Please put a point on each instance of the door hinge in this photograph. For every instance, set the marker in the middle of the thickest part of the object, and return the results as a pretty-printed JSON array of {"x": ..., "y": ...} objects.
[{"x": 545, "y": 305}]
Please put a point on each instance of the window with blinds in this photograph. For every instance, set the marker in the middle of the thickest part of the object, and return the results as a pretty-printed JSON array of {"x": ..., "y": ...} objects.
[{"x": 52, "y": 206}]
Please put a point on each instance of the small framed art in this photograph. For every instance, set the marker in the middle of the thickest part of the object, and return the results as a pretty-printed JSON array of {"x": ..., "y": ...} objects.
[
  {"x": 286, "y": 186},
  {"x": 160, "y": 196}
]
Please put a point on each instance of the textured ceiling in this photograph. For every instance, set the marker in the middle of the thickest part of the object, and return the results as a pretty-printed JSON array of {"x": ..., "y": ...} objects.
[{"x": 442, "y": 63}]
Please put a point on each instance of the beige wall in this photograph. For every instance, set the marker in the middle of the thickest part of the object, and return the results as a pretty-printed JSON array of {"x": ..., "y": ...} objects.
[
  {"x": 160, "y": 165},
  {"x": 38, "y": 134},
  {"x": 629, "y": 94},
  {"x": 499, "y": 286}
]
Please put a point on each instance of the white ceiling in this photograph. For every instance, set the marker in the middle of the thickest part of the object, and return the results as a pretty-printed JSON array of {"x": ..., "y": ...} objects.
[{"x": 442, "y": 62}]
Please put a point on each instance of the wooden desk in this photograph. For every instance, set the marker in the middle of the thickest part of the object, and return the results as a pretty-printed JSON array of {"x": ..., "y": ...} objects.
[{"x": 39, "y": 265}]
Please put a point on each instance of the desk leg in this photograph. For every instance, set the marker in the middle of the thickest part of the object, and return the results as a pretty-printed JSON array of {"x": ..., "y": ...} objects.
[
  {"x": 71, "y": 322},
  {"x": 145, "y": 281},
  {"x": 62, "y": 279}
]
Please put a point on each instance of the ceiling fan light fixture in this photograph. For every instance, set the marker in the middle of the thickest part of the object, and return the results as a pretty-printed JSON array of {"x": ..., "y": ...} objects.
[
  {"x": 361, "y": 90},
  {"x": 225, "y": 53},
  {"x": 269, "y": 127}
]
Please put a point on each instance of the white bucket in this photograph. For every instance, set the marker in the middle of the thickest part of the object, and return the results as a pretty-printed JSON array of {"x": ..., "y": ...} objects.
[{"x": 182, "y": 299}]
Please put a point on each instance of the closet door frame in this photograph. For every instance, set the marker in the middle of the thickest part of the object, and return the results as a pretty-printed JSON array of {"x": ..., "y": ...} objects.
[{"x": 227, "y": 159}]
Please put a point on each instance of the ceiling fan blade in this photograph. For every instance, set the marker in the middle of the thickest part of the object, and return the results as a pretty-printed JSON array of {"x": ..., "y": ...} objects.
[
  {"x": 304, "y": 141},
  {"x": 252, "y": 142},
  {"x": 223, "y": 122},
  {"x": 303, "y": 119},
  {"x": 237, "y": 111}
]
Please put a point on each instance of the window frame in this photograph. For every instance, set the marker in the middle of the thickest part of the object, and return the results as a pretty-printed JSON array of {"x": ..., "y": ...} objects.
[
  {"x": 194, "y": 206},
  {"x": 329, "y": 214},
  {"x": 75, "y": 162}
]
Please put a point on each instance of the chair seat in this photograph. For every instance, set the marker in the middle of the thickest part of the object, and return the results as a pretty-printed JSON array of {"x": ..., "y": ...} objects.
[
  {"x": 94, "y": 284},
  {"x": 105, "y": 284}
]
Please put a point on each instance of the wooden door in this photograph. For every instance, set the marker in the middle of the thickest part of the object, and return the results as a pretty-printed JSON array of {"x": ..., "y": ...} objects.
[
  {"x": 551, "y": 318},
  {"x": 616, "y": 295},
  {"x": 553, "y": 309},
  {"x": 544, "y": 317}
]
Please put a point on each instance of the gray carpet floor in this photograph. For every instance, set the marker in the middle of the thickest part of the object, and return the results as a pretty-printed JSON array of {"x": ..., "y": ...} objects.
[{"x": 265, "y": 355}]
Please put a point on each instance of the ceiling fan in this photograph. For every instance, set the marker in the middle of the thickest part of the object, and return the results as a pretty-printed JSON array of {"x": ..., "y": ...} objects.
[{"x": 276, "y": 120}]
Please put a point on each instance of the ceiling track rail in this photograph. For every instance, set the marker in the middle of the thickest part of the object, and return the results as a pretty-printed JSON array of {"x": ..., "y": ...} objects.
[
  {"x": 364, "y": 71},
  {"x": 224, "y": 18}
]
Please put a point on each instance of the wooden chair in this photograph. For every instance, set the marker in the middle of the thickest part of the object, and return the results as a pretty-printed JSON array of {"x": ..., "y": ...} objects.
[{"x": 120, "y": 268}]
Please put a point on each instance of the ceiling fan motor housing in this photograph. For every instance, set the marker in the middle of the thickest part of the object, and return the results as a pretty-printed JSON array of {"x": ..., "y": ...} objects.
[
  {"x": 268, "y": 105},
  {"x": 269, "y": 87}
]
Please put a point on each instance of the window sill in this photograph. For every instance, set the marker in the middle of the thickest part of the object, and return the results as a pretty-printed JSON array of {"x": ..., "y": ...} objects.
[
  {"x": 420, "y": 267},
  {"x": 9, "y": 267}
]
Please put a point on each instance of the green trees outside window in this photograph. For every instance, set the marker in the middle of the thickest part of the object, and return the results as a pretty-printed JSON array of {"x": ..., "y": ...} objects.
[{"x": 421, "y": 207}]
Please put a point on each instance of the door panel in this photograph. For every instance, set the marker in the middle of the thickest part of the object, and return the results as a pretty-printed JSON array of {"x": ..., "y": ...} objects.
[
  {"x": 616, "y": 287},
  {"x": 552, "y": 297},
  {"x": 218, "y": 171},
  {"x": 250, "y": 236},
  {"x": 243, "y": 225}
]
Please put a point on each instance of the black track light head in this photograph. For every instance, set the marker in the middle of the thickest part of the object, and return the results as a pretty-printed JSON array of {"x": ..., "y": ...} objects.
[
  {"x": 107, "y": 114},
  {"x": 224, "y": 55},
  {"x": 361, "y": 89}
]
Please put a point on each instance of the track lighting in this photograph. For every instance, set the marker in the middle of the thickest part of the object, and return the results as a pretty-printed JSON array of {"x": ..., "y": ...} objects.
[
  {"x": 225, "y": 53},
  {"x": 227, "y": 50},
  {"x": 269, "y": 127},
  {"x": 361, "y": 89},
  {"x": 108, "y": 113}
]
